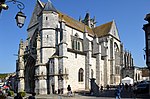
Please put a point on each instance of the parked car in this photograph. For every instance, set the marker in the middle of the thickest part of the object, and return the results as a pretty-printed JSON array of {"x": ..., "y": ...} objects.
[{"x": 141, "y": 88}]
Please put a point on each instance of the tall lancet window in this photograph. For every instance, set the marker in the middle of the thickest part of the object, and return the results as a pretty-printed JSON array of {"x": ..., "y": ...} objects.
[
  {"x": 80, "y": 75},
  {"x": 92, "y": 73},
  {"x": 117, "y": 59},
  {"x": 76, "y": 42},
  {"x": 78, "y": 46}
]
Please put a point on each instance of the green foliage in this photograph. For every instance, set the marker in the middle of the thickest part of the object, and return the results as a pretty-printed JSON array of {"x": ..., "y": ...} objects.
[
  {"x": 2, "y": 76},
  {"x": 22, "y": 93},
  {"x": 10, "y": 93}
]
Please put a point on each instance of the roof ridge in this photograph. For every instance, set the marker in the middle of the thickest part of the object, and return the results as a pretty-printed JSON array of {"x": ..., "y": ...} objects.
[
  {"x": 104, "y": 24},
  {"x": 76, "y": 24},
  {"x": 41, "y": 3}
]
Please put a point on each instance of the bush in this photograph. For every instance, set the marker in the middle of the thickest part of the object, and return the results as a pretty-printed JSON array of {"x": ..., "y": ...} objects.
[
  {"x": 2, "y": 97},
  {"x": 10, "y": 93},
  {"x": 22, "y": 93}
]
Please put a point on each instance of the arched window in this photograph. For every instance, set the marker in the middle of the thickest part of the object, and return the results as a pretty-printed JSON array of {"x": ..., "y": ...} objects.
[
  {"x": 116, "y": 47},
  {"x": 80, "y": 75},
  {"x": 92, "y": 73},
  {"x": 46, "y": 18},
  {"x": 117, "y": 58},
  {"x": 78, "y": 45},
  {"x": 76, "y": 42},
  {"x": 92, "y": 46},
  {"x": 138, "y": 76}
]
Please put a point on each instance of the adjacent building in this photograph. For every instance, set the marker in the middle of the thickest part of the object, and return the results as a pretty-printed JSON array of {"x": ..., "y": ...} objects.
[{"x": 129, "y": 69}]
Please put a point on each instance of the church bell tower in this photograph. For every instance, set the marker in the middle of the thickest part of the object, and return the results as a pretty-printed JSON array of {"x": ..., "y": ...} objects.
[{"x": 48, "y": 21}]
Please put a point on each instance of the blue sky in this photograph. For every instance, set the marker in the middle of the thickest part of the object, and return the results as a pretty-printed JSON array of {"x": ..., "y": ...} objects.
[{"x": 128, "y": 15}]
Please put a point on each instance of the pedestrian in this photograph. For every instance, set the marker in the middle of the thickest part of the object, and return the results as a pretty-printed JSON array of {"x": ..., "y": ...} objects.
[
  {"x": 126, "y": 86},
  {"x": 101, "y": 88},
  {"x": 122, "y": 86},
  {"x": 117, "y": 93},
  {"x": 1, "y": 92},
  {"x": 58, "y": 91},
  {"x": 107, "y": 87},
  {"x": 33, "y": 96},
  {"x": 18, "y": 96},
  {"x": 69, "y": 90},
  {"x": 134, "y": 90}
]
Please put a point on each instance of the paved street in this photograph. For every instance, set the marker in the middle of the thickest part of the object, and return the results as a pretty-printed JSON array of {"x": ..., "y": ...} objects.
[{"x": 106, "y": 94}]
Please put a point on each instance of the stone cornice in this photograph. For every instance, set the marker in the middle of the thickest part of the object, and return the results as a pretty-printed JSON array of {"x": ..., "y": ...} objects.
[
  {"x": 55, "y": 56},
  {"x": 47, "y": 47},
  {"x": 63, "y": 43},
  {"x": 76, "y": 51},
  {"x": 47, "y": 29},
  {"x": 41, "y": 64}
]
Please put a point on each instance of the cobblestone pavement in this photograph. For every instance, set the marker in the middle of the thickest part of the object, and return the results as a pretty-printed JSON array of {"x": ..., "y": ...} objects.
[{"x": 106, "y": 94}]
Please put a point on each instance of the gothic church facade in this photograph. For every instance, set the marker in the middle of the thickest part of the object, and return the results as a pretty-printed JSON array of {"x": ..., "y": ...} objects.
[{"x": 61, "y": 51}]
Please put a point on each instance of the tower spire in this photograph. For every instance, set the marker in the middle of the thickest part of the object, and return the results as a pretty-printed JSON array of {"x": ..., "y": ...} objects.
[{"x": 49, "y": 7}]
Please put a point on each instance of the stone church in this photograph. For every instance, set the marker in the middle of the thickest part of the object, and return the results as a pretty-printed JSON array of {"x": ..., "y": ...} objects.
[{"x": 61, "y": 51}]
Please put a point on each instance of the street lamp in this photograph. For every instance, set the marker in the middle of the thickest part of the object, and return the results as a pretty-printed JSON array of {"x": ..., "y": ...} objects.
[{"x": 20, "y": 17}]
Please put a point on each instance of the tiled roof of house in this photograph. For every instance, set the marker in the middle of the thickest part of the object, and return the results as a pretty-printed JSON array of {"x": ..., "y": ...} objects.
[{"x": 145, "y": 73}]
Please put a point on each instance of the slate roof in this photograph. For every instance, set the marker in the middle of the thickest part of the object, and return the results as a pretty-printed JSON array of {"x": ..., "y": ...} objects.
[
  {"x": 75, "y": 24},
  {"x": 103, "y": 30},
  {"x": 49, "y": 7},
  {"x": 99, "y": 31}
]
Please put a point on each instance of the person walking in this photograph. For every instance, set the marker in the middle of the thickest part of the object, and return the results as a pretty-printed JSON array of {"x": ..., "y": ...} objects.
[
  {"x": 18, "y": 96},
  {"x": 101, "y": 88},
  {"x": 126, "y": 86},
  {"x": 33, "y": 96},
  {"x": 117, "y": 93},
  {"x": 69, "y": 90},
  {"x": 107, "y": 87}
]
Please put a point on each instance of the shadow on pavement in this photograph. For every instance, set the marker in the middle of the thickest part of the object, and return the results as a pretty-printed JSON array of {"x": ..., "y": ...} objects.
[{"x": 111, "y": 93}]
